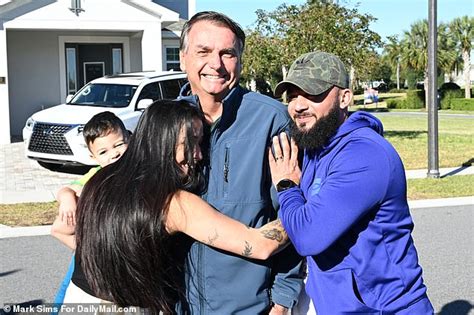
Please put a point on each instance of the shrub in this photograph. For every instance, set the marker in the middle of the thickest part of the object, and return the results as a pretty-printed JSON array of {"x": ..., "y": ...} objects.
[
  {"x": 396, "y": 103},
  {"x": 415, "y": 99},
  {"x": 448, "y": 96},
  {"x": 358, "y": 90},
  {"x": 397, "y": 91},
  {"x": 449, "y": 86},
  {"x": 462, "y": 104}
]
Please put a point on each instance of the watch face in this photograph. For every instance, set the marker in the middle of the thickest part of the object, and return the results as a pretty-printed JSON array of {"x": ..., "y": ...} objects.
[{"x": 284, "y": 184}]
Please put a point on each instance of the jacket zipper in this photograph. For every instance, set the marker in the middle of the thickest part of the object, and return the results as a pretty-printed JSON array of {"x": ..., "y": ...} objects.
[
  {"x": 200, "y": 279},
  {"x": 226, "y": 165}
]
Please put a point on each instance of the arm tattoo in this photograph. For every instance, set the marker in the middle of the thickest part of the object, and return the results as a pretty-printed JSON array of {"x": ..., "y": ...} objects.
[
  {"x": 274, "y": 231},
  {"x": 211, "y": 239},
  {"x": 248, "y": 250}
]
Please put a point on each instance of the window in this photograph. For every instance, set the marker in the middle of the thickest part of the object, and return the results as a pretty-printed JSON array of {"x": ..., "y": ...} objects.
[
  {"x": 172, "y": 58},
  {"x": 170, "y": 89},
  {"x": 71, "y": 71},
  {"x": 150, "y": 91},
  {"x": 116, "y": 60}
]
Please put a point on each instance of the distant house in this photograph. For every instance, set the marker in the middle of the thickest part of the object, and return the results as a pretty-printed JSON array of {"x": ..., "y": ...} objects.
[{"x": 51, "y": 48}]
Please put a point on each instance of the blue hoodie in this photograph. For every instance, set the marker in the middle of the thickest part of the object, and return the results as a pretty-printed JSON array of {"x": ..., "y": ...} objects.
[{"x": 350, "y": 218}]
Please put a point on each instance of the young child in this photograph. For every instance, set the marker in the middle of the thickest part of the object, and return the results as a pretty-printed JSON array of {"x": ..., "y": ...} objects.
[{"x": 107, "y": 140}]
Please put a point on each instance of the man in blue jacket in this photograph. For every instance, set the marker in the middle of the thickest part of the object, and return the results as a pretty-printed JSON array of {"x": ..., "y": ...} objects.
[
  {"x": 240, "y": 126},
  {"x": 349, "y": 214}
]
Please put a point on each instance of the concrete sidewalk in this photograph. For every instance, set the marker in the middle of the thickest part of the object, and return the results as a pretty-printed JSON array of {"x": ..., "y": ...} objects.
[{"x": 444, "y": 172}]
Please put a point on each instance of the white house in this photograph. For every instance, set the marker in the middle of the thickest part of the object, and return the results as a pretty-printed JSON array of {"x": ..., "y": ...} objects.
[{"x": 50, "y": 48}]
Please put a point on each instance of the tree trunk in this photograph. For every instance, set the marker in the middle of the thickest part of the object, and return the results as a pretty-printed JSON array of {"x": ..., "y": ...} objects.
[
  {"x": 284, "y": 72},
  {"x": 466, "y": 58},
  {"x": 253, "y": 85},
  {"x": 398, "y": 74},
  {"x": 351, "y": 78}
]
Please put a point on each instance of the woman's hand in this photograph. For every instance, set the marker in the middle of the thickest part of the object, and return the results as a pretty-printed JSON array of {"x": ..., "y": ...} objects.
[{"x": 284, "y": 160}]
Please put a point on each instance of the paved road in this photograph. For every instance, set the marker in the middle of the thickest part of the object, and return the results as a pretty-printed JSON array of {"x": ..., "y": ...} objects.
[
  {"x": 32, "y": 267},
  {"x": 444, "y": 239}
]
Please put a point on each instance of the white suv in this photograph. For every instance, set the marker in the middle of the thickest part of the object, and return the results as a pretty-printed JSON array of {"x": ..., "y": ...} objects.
[{"x": 53, "y": 136}]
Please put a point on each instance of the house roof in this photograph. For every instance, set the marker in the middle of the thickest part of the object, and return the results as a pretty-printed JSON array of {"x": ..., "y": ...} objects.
[
  {"x": 103, "y": 14},
  {"x": 176, "y": 26}
]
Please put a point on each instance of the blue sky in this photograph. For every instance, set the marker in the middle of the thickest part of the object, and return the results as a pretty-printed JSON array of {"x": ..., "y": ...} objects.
[{"x": 394, "y": 16}]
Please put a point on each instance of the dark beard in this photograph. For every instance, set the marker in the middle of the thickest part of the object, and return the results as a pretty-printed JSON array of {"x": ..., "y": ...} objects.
[{"x": 316, "y": 137}]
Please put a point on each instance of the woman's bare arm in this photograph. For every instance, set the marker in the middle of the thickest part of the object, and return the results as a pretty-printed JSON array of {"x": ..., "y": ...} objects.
[{"x": 191, "y": 215}]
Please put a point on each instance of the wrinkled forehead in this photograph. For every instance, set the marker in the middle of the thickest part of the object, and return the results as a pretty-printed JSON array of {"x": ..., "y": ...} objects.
[{"x": 195, "y": 34}]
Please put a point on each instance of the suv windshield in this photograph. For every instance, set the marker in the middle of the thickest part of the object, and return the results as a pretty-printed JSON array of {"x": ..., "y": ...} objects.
[{"x": 108, "y": 95}]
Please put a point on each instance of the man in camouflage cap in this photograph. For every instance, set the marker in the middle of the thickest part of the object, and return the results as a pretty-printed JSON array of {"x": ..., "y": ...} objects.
[{"x": 347, "y": 212}]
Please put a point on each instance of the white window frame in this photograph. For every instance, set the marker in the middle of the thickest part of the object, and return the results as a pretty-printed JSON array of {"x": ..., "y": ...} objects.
[
  {"x": 171, "y": 61},
  {"x": 120, "y": 68},
  {"x": 74, "y": 90}
]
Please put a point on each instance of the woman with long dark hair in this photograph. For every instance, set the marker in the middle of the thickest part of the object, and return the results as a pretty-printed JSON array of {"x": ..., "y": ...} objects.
[{"x": 130, "y": 213}]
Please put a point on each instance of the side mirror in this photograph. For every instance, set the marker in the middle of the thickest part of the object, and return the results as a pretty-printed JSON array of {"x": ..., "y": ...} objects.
[
  {"x": 69, "y": 98},
  {"x": 144, "y": 103}
]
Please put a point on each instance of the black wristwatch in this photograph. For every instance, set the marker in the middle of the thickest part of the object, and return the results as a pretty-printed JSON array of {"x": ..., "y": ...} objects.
[{"x": 285, "y": 184}]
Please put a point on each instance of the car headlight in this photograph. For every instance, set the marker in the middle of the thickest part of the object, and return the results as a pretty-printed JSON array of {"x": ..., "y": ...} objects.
[{"x": 30, "y": 123}]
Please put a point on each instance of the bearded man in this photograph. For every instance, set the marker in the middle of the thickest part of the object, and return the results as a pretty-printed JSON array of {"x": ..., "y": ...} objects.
[{"x": 348, "y": 214}]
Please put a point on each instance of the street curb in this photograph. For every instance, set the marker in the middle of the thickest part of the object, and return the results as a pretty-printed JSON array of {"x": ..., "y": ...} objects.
[
  {"x": 7, "y": 232},
  {"x": 446, "y": 202},
  {"x": 12, "y": 197}
]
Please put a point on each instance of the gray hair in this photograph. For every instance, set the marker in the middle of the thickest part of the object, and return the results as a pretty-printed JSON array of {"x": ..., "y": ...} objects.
[{"x": 216, "y": 18}]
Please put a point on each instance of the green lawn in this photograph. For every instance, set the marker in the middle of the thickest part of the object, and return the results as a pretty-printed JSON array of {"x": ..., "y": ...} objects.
[
  {"x": 28, "y": 214},
  {"x": 409, "y": 136},
  {"x": 431, "y": 188}
]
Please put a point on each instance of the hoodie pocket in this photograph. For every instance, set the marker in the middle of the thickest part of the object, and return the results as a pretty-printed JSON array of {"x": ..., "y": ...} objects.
[{"x": 341, "y": 293}]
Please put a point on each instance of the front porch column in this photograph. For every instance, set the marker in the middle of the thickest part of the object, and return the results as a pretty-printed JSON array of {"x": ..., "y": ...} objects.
[
  {"x": 4, "y": 103},
  {"x": 151, "y": 47}
]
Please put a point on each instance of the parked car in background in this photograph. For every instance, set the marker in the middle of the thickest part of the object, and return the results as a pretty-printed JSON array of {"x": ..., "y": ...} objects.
[{"x": 53, "y": 136}]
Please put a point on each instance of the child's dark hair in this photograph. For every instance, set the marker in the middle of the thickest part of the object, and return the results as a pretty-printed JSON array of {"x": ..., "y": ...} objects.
[{"x": 101, "y": 124}]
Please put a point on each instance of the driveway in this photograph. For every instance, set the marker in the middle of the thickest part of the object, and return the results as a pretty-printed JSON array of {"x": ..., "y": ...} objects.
[{"x": 23, "y": 180}]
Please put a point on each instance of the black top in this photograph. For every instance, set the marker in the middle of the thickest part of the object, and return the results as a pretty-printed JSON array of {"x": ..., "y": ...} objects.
[{"x": 79, "y": 279}]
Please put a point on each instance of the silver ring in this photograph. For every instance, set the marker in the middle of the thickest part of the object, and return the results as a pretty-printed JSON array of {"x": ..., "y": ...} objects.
[{"x": 279, "y": 158}]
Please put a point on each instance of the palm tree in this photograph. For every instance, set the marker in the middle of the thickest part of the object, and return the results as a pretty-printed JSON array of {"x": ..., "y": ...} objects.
[
  {"x": 414, "y": 49},
  {"x": 462, "y": 31},
  {"x": 393, "y": 52}
]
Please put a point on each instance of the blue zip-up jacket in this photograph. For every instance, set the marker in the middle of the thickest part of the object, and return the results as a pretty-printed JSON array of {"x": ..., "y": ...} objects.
[
  {"x": 239, "y": 185},
  {"x": 350, "y": 218}
]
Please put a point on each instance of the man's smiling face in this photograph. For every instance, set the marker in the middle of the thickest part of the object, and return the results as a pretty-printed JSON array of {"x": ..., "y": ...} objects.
[{"x": 211, "y": 60}]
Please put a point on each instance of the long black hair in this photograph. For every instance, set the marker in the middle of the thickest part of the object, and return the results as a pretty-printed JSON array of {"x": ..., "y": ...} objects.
[{"x": 122, "y": 244}]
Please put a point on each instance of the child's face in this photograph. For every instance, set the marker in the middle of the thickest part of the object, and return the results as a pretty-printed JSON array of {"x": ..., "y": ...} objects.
[
  {"x": 108, "y": 149},
  {"x": 180, "y": 150}
]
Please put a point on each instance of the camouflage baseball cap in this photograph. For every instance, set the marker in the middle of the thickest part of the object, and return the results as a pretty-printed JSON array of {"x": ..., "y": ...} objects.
[{"x": 315, "y": 73}]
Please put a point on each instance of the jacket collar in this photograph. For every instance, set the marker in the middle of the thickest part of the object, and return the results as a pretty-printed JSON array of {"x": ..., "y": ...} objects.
[{"x": 230, "y": 103}]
